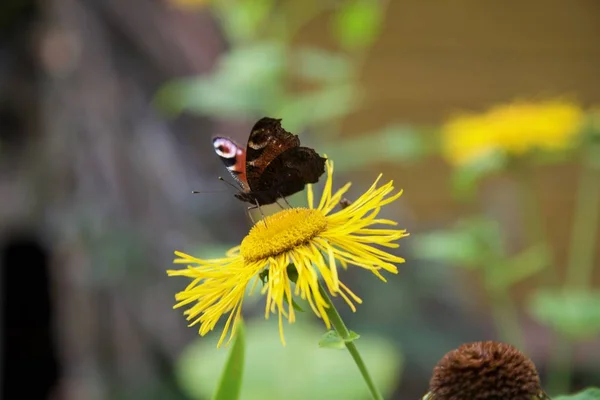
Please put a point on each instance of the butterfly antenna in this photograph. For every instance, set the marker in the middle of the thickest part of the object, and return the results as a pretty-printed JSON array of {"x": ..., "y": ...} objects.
[{"x": 229, "y": 183}]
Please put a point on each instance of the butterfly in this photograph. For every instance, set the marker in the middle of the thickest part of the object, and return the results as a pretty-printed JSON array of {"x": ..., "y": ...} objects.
[{"x": 272, "y": 166}]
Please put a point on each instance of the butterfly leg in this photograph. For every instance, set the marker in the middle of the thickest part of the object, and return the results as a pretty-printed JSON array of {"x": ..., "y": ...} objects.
[
  {"x": 253, "y": 207},
  {"x": 250, "y": 214},
  {"x": 261, "y": 211},
  {"x": 287, "y": 202}
]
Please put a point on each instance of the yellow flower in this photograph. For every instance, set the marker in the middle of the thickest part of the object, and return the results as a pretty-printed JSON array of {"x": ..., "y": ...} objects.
[
  {"x": 316, "y": 240},
  {"x": 513, "y": 129}
]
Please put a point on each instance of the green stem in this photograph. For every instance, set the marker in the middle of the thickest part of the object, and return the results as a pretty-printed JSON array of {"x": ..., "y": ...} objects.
[
  {"x": 506, "y": 317},
  {"x": 342, "y": 330},
  {"x": 580, "y": 264},
  {"x": 584, "y": 229},
  {"x": 559, "y": 366},
  {"x": 534, "y": 220}
]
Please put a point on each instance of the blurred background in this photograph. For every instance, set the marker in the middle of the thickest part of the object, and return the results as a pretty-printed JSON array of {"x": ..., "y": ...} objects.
[{"x": 485, "y": 113}]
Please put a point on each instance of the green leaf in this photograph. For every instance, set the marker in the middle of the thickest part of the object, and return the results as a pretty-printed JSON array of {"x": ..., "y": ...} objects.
[
  {"x": 574, "y": 313},
  {"x": 231, "y": 380},
  {"x": 332, "y": 340},
  {"x": 454, "y": 247},
  {"x": 587, "y": 394},
  {"x": 295, "y": 305},
  {"x": 402, "y": 144},
  {"x": 321, "y": 105},
  {"x": 466, "y": 178},
  {"x": 523, "y": 266},
  {"x": 247, "y": 81},
  {"x": 319, "y": 65},
  {"x": 353, "y": 336},
  {"x": 473, "y": 242},
  {"x": 242, "y": 20},
  {"x": 298, "y": 371},
  {"x": 358, "y": 24}
]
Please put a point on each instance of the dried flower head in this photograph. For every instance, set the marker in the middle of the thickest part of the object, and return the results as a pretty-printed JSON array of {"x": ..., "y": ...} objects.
[{"x": 485, "y": 371}]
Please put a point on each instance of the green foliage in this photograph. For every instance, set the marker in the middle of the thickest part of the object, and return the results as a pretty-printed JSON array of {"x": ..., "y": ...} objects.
[
  {"x": 518, "y": 268},
  {"x": 332, "y": 340},
  {"x": 587, "y": 394},
  {"x": 466, "y": 178},
  {"x": 358, "y": 23},
  {"x": 317, "y": 65},
  {"x": 477, "y": 243},
  {"x": 574, "y": 313},
  {"x": 471, "y": 244},
  {"x": 317, "y": 106},
  {"x": 243, "y": 20},
  {"x": 394, "y": 143},
  {"x": 246, "y": 82},
  {"x": 231, "y": 380},
  {"x": 300, "y": 370},
  {"x": 250, "y": 80}
]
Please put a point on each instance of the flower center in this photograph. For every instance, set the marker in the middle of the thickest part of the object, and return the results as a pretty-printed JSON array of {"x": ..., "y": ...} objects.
[{"x": 282, "y": 232}]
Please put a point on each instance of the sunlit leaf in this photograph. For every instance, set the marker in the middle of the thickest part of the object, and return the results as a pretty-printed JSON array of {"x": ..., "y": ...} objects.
[
  {"x": 231, "y": 380},
  {"x": 574, "y": 313},
  {"x": 358, "y": 23}
]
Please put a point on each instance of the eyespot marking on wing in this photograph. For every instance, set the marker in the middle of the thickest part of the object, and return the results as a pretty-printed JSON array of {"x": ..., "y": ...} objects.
[{"x": 225, "y": 148}]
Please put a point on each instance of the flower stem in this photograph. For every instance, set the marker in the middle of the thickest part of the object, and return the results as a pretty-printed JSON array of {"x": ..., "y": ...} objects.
[
  {"x": 585, "y": 227},
  {"x": 534, "y": 220},
  {"x": 506, "y": 318},
  {"x": 342, "y": 330},
  {"x": 560, "y": 365},
  {"x": 580, "y": 266}
]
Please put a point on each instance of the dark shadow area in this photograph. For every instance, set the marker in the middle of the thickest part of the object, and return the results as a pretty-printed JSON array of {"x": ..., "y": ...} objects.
[{"x": 30, "y": 366}]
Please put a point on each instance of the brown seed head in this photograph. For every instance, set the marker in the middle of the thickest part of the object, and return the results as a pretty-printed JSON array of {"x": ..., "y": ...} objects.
[{"x": 485, "y": 371}]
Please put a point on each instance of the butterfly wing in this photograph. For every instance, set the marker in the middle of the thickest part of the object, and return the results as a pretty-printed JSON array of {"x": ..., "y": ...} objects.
[
  {"x": 234, "y": 158},
  {"x": 267, "y": 141},
  {"x": 290, "y": 172}
]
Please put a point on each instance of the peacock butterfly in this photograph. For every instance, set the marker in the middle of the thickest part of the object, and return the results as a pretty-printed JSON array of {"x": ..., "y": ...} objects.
[{"x": 272, "y": 166}]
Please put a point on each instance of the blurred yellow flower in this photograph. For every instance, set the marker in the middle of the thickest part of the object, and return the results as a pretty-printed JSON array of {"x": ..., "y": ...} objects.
[
  {"x": 513, "y": 129},
  {"x": 314, "y": 240}
]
